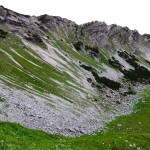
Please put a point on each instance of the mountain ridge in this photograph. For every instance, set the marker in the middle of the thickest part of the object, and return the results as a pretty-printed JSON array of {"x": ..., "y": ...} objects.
[{"x": 79, "y": 77}]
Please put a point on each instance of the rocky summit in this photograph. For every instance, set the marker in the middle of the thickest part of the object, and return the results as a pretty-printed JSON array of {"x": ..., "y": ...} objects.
[{"x": 65, "y": 78}]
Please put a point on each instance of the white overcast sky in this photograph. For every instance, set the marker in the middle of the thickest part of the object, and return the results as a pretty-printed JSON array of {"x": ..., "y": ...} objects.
[{"x": 132, "y": 13}]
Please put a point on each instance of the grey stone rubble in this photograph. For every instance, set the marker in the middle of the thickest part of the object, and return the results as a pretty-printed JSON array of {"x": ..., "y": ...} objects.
[{"x": 35, "y": 112}]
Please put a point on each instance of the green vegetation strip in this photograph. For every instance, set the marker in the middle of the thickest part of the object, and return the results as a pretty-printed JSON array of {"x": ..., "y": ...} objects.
[
  {"x": 34, "y": 72},
  {"x": 125, "y": 133}
]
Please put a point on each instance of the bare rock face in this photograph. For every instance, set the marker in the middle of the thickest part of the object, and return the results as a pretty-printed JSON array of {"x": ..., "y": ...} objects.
[
  {"x": 97, "y": 32},
  {"x": 13, "y": 21},
  {"x": 8, "y": 17},
  {"x": 110, "y": 36},
  {"x": 146, "y": 39},
  {"x": 55, "y": 23},
  {"x": 3, "y": 14},
  {"x": 55, "y": 20}
]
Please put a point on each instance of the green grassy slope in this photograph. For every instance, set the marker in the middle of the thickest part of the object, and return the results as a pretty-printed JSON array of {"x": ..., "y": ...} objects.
[
  {"x": 29, "y": 68},
  {"x": 125, "y": 133}
]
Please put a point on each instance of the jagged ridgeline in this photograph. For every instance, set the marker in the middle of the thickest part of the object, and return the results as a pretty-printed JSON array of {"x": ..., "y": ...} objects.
[{"x": 65, "y": 78}]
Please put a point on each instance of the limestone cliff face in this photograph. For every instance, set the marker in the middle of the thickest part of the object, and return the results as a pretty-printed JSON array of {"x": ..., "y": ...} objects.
[{"x": 65, "y": 78}]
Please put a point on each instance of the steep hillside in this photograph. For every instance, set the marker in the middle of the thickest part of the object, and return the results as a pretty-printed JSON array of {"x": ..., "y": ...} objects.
[{"x": 65, "y": 78}]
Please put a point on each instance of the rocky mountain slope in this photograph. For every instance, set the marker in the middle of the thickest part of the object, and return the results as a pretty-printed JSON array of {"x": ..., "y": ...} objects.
[{"x": 65, "y": 78}]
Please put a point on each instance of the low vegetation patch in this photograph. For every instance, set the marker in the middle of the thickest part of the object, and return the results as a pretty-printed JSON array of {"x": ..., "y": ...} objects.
[
  {"x": 3, "y": 34},
  {"x": 1, "y": 100},
  {"x": 102, "y": 80}
]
